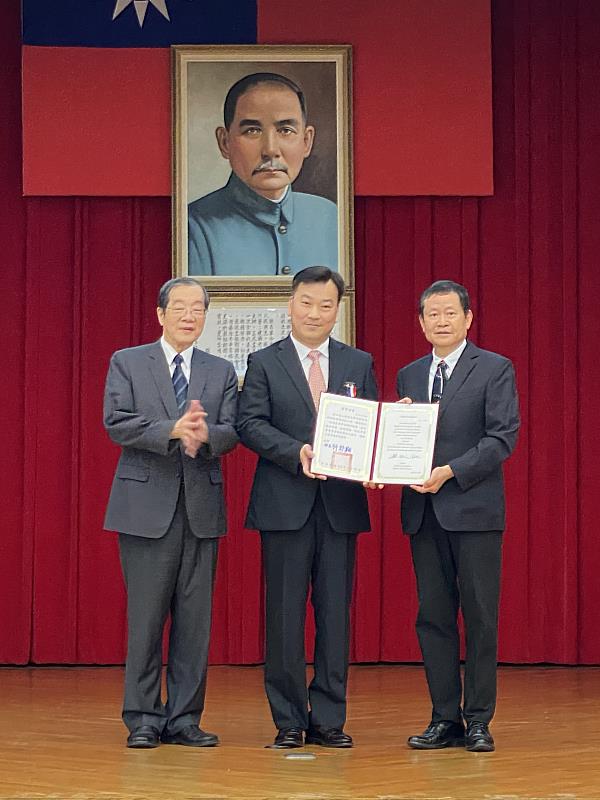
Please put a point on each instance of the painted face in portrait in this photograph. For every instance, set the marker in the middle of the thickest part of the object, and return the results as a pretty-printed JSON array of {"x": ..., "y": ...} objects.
[
  {"x": 313, "y": 311},
  {"x": 267, "y": 141},
  {"x": 444, "y": 322},
  {"x": 183, "y": 319}
]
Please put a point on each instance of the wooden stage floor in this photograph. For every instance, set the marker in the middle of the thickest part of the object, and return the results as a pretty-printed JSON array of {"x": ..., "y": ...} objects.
[{"x": 62, "y": 739}]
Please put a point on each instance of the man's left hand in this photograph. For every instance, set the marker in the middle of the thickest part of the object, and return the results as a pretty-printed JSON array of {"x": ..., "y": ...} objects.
[{"x": 438, "y": 477}]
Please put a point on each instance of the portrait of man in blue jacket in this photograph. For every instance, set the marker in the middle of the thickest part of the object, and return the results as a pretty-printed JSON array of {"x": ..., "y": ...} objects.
[{"x": 256, "y": 224}]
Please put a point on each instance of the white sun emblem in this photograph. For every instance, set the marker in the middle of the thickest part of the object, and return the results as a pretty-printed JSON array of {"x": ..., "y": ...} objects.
[{"x": 141, "y": 6}]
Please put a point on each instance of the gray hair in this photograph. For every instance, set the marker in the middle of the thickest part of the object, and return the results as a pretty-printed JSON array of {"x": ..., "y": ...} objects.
[{"x": 165, "y": 290}]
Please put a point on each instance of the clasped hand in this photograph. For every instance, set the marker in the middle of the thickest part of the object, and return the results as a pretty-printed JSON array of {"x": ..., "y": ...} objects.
[{"x": 191, "y": 428}]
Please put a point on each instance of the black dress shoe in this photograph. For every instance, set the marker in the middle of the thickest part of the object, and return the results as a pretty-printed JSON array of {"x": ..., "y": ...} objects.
[
  {"x": 328, "y": 737},
  {"x": 479, "y": 739},
  {"x": 145, "y": 736},
  {"x": 438, "y": 735},
  {"x": 288, "y": 738},
  {"x": 191, "y": 736}
]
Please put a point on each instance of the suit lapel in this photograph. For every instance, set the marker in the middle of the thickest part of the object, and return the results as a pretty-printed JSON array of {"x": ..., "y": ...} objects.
[
  {"x": 162, "y": 377},
  {"x": 288, "y": 356},
  {"x": 423, "y": 382},
  {"x": 460, "y": 373},
  {"x": 338, "y": 359},
  {"x": 199, "y": 374}
]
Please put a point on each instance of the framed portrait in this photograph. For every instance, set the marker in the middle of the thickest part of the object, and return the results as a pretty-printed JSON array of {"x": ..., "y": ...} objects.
[
  {"x": 262, "y": 155},
  {"x": 237, "y": 325}
]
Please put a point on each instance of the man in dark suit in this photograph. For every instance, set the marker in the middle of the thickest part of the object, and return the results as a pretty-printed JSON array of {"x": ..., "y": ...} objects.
[
  {"x": 308, "y": 525},
  {"x": 456, "y": 517},
  {"x": 172, "y": 409}
]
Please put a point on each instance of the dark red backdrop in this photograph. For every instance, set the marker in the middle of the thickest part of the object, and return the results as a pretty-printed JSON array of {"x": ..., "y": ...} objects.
[{"x": 80, "y": 279}]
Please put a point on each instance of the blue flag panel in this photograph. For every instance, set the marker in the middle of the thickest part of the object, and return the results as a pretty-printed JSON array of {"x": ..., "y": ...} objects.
[{"x": 138, "y": 23}]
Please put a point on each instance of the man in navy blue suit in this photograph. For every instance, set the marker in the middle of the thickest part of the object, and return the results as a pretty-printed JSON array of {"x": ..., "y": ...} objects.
[
  {"x": 308, "y": 526},
  {"x": 456, "y": 518}
]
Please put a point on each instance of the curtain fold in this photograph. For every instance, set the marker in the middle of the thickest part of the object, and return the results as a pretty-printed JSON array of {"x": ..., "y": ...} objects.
[{"x": 81, "y": 277}]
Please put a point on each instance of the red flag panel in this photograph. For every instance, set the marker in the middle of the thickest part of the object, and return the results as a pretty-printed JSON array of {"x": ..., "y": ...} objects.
[
  {"x": 422, "y": 87},
  {"x": 97, "y": 121}
]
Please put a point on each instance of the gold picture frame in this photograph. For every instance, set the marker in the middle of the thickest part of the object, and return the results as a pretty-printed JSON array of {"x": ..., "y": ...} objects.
[{"x": 229, "y": 246}]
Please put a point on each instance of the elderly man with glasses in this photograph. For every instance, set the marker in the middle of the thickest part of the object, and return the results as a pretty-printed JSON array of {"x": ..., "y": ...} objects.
[{"x": 172, "y": 410}]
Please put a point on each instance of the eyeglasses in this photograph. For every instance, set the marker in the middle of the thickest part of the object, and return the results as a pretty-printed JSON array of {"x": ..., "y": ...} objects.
[{"x": 180, "y": 311}]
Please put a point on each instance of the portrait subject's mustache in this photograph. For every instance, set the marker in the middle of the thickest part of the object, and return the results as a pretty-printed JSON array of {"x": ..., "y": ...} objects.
[{"x": 269, "y": 165}]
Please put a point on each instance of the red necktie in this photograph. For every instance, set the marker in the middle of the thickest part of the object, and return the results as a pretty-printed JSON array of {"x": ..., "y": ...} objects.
[{"x": 316, "y": 381}]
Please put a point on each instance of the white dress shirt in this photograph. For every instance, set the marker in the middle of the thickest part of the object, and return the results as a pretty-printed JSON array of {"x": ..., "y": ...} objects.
[
  {"x": 450, "y": 360},
  {"x": 170, "y": 354},
  {"x": 303, "y": 352}
]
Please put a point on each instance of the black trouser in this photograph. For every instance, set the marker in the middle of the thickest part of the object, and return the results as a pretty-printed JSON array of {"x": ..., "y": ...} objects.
[
  {"x": 458, "y": 569},
  {"x": 172, "y": 574},
  {"x": 318, "y": 556}
]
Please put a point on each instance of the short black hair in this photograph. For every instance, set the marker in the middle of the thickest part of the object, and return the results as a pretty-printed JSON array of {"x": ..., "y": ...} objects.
[
  {"x": 246, "y": 83},
  {"x": 446, "y": 287},
  {"x": 165, "y": 290},
  {"x": 319, "y": 275}
]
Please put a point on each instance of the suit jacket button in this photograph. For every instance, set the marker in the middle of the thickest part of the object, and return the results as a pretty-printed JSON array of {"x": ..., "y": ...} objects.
[
  {"x": 282, "y": 228},
  {"x": 286, "y": 270}
]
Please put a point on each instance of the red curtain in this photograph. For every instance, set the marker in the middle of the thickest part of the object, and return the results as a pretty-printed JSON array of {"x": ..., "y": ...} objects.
[{"x": 80, "y": 279}]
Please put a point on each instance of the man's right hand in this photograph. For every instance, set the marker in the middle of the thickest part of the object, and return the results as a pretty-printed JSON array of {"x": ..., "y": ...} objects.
[
  {"x": 306, "y": 456},
  {"x": 191, "y": 428},
  {"x": 405, "y": 400}
]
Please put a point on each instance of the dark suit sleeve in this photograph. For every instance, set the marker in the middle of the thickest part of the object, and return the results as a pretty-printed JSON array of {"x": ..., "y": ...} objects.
[
  {"x": 222, "y": 436},
  {"x": 501, "y": 413},
  {"x": 371, "y": 391},
  {"x": 254, "y": 421},
  {"x": 124, "y": 424},
  {"x": 400, "y": 385}
]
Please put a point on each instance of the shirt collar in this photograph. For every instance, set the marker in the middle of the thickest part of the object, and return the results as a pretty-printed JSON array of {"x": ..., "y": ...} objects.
[
  {"x": 303, "y": 350},
  {"x": 170, "y": 353},
  {"x": 257, "y": 208},
  {"x": 451, "y": 359},
  {"x": 282, "y": 198}
]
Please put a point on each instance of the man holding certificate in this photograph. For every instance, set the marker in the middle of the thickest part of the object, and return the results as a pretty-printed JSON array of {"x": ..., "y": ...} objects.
[
  {"x": 308, "y": 524},
  {"x": 456, "y": 517}
]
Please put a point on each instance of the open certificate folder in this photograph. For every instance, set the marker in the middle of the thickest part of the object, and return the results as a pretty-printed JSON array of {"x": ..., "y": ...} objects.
[{"x": 362, "y": 440}]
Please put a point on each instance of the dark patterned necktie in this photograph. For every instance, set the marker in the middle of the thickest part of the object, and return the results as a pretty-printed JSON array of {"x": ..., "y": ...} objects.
[
  {"x": 180, "y": 384},
  {"x": 439, "y": 381}
]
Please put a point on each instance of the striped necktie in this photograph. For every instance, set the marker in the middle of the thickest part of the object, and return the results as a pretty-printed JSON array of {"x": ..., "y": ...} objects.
[
  {"x": 180, "y": 384},
  {"x": 439, "y": 381}
]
